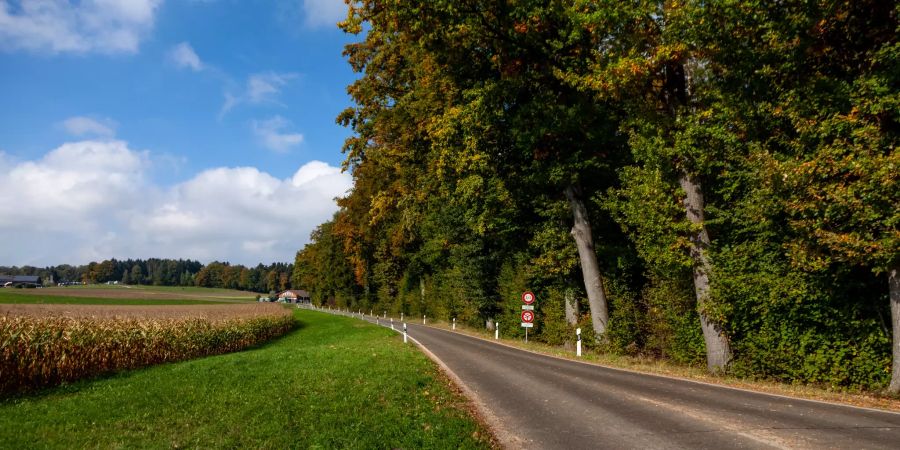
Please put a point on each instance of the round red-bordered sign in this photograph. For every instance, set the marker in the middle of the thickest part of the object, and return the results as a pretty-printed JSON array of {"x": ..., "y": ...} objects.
[
  {"x": 528, "y": 297},
  {"x": 527, "y": 316}
]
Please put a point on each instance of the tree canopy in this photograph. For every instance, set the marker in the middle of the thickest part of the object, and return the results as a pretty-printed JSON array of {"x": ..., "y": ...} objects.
[{"x": 703, "y": 181}]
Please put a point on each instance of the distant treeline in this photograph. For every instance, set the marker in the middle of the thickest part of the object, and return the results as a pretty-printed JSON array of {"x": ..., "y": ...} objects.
[
  {"x": 166, "y": 272},
  {"x": 707, "y": 182}
]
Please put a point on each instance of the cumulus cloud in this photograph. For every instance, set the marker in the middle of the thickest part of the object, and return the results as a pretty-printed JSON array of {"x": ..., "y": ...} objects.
[
  {"x": 273, "y": 135},
  {"x": 184, "y": 56},
  {"x": 92, "y": 200},
  {"x": 87, "y": 126},
  {"x": 63, "y": 26},
  {"x": 324, "y": 13},
  {"x": 70, "y": 185},
  {"x": 260, "y": 88}
]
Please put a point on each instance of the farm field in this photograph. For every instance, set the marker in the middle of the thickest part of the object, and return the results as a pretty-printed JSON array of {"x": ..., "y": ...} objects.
[
  {"x": 45, "y": 345},
  {"x": 118, "y": 294},
  {"x": 333, "y": 382}
]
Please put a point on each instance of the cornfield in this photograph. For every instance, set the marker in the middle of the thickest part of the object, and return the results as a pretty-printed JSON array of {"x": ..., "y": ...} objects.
[{"x": 41, "y": 347}]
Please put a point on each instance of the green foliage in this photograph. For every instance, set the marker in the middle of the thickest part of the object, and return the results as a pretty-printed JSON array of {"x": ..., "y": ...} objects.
[
  {"x": 551, "y": 324},
  {"x": 470, "y": 122}
]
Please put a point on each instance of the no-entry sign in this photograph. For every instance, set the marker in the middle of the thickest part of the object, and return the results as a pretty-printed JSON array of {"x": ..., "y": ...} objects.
[
  {"x": 528, "y": 297},
  {"x": 527, "y": 316}
]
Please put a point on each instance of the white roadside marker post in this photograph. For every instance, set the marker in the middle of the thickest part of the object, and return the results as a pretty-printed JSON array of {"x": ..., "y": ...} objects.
[
  {"x": 454, "y": 323},
  {"x": 401, "y": 317},
  {"x": 404, "y": 332},
  {"x": 578, "y": 343},
  {"x": 423, "y": 319},
  {"x": 392, "y": 323},
  {"x": 385, "y": 314},
  {"x": 497, "y": 330}
]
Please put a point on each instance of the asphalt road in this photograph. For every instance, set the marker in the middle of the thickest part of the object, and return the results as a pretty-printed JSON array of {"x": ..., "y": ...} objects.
[
  {"x": 540, "y": 402},
  {"x": 544, "y": 402}
]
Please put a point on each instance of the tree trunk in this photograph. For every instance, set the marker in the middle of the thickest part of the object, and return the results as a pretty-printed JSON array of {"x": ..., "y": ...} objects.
[
  {"x": 894, "y": 284},
  {"x": 590, "y": 269},
  {"x": 718, "y": 350},
  {"x": 571, "y": 308}
]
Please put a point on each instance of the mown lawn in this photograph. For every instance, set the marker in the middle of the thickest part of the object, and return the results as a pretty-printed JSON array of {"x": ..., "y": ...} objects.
[
  {"x": 12, "y": 296},
  {"x": 334, "y": 382}
]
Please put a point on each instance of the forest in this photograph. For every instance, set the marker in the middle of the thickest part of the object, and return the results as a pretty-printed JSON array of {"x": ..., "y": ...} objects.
[
  {"x": 166, "y": 272},
  {"x": 710, "y": 183}
]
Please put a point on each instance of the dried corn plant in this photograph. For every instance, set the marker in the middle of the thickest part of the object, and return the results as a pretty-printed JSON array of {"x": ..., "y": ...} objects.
[{"x": 44, "y": 349}]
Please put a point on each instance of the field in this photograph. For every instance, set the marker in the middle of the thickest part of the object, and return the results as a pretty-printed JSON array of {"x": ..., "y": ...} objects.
[
  {"x": 119, "y": 294},
  {"x": 45, "y": 345},
  {"x": 205, "y": 311},
  {"x": 333, "y": 382}
]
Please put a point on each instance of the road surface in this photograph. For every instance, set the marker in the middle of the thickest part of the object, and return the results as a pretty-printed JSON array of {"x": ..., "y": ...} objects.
[{"x": 541, "y": 402}]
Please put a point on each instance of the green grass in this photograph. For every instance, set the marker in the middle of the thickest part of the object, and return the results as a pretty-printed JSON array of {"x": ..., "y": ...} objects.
[
  {"x": 334, "y": 382},
  {"x": 11, "y": 296}
]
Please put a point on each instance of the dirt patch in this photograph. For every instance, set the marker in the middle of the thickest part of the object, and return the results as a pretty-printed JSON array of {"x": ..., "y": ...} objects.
[{"x": 210, "y": 312}]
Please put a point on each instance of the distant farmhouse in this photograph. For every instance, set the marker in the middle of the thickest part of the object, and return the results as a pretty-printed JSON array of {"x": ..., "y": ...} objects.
[
  {"x": 294, "y": 296},
  {"x": 20, "y": 280}
]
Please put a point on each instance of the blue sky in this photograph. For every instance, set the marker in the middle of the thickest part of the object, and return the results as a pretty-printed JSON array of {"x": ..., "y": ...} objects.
[{"x": 169, "y": 128}]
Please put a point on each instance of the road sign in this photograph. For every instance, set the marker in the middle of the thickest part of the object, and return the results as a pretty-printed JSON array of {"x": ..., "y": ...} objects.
[
  {"x": 528, "y": 307},
  {"x": 528, "y": 297},
  {"x": 528, "y": 316},
  {"x": 527, "y": 324}
]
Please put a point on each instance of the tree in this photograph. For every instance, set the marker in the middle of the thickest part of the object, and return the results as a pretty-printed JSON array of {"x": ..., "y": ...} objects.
[
  {"x": 137, "y": 276},
  {"x": 492, "y": 120}
]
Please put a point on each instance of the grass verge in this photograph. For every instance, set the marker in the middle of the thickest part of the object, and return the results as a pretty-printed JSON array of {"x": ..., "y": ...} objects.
[{"x": 334, "y": 382}]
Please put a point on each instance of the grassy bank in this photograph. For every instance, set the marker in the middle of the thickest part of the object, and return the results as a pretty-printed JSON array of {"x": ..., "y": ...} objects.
[{"x": 334, "y": 382}]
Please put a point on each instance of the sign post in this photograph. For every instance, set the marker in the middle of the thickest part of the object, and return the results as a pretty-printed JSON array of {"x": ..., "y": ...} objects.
[
  {"x": 528, "y": 299},
  {"x": 527, "y": 321}
]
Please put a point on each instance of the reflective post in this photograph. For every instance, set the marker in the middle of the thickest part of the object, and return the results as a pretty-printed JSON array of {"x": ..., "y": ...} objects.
[{"x": 578, "y": 343}]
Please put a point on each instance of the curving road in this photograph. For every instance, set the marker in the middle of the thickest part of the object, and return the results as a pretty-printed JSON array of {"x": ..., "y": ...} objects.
[
  {"x": 541, "y": 402},
  {"x": 544, "y": 402}
]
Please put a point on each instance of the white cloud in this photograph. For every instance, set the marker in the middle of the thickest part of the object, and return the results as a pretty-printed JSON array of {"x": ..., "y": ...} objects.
[
  {"x": 92, "y": 200},
  {"x": 324, "y": 13},
  {"x": 272, "y": 134},
  {"x": 183, "y": 55},
  {"x": 70, "y": 185},
  {"x": 86, "y": 126},
  {"x": 59, "y": 26},
  {"x": 264, "y": 87},
  {"x": 261, "y": 88}
]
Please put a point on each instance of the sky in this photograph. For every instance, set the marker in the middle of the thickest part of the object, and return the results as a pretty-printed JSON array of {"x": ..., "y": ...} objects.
[{"x": 200, "y": 129}]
